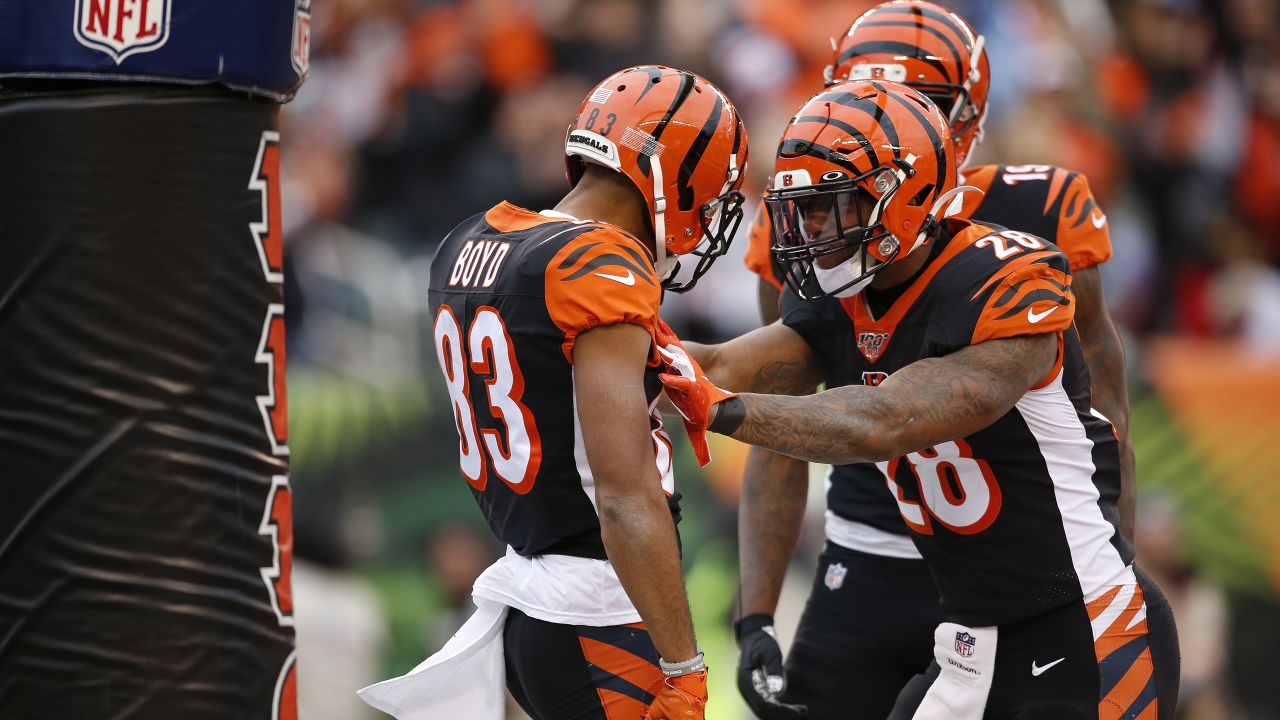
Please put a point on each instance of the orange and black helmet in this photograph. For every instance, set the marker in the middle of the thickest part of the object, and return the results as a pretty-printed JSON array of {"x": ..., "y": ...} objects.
[
  {"x": 864, "y": 172},
  {"x": 928, "y": 47},
  {"x": 682, "y": 144}
]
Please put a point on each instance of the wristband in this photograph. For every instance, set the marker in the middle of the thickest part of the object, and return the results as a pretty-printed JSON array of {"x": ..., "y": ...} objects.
[
  {"x": 731, "y": 413},
  {"x": 696, "y": 664}
]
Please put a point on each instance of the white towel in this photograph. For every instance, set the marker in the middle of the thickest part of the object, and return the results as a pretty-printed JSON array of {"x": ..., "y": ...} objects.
[
  {"x": 465, "y": 679},
  {"x": 967, "y": 657}
]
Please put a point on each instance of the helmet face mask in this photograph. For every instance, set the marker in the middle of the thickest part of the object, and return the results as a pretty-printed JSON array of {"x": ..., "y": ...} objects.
[
  {"x": 719, "y": 219},
  {"x": 864, "y": 171},
  {"x": 825, "y": 237}
]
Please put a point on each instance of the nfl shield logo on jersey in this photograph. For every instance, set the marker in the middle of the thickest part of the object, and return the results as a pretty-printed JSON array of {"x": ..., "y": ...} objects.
[
  {"x": 965, "y": 643},
  {"x": 835, "y": 576},
  {"x": 871, "y": 344},
  {"x": 121, "y": 28}
]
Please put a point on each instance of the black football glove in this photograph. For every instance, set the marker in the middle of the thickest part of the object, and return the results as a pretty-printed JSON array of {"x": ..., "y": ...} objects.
[{"x": 760, "y": 678}]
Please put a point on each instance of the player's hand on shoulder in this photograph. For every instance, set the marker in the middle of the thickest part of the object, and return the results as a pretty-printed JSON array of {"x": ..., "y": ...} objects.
[
  {"x": 760, "y": 675},
  {"x": 683, "y": 697}
]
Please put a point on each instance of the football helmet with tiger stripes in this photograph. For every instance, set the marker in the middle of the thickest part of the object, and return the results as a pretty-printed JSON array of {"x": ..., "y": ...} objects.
[
  {"x": 928, "y": 47},
  {"x": 681, "y": 142},
  {"x": 864, "y": 171}
]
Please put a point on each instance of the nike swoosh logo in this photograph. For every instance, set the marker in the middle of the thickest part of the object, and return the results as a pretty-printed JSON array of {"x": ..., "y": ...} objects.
[
  {"x": 1038, "y": 670},
  {"x": 628, "y": 279},
  {"x": 1033, "y": 317},
  {"x": 1098, "y": 219}
]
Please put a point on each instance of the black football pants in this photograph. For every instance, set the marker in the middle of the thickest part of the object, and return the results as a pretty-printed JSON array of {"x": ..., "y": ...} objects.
[
  {"x": 1115, "y": 658},
  {"x": 860, "y": 641},
  {"x": 579, "y": 672}
]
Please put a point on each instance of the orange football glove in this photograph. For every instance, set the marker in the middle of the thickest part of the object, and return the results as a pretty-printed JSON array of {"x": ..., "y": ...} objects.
[
  {"x": 683, "y": 697},
  {"x": 670, "y": 347},
  {"x": 689, "y": 389}
]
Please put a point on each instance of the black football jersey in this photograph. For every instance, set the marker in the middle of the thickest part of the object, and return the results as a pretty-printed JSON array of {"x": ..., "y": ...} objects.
[
  {"x": 510, "y": 291},
  {"x": 1018, "y": 517},
  {"x": 1041, "y": 200}
]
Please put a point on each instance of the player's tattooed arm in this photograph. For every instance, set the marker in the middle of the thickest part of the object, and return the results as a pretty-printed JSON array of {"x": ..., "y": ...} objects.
[
  {"x": 772, "y": 359},
  {"x": 928, "y": 402},
  {"x": 1104, "y": 354}
]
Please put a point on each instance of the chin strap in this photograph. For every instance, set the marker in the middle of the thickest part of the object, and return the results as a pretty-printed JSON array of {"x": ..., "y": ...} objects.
[{"x": 664, "y": 263}]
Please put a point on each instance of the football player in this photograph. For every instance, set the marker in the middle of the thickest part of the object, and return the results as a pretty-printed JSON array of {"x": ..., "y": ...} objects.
[
  {"x": 546, "y": 327},
  {"x": 868, "y": 564},
  {"x": 954, "y": 371}
]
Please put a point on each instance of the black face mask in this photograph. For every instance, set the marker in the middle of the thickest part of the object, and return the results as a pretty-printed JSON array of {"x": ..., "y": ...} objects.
[
  {"x": 818, "y": 221},
  {"x": 719, "y": 219}
]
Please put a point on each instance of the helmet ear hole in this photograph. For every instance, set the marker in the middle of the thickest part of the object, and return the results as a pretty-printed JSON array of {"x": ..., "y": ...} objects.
[{"x": 921, "y": 196}]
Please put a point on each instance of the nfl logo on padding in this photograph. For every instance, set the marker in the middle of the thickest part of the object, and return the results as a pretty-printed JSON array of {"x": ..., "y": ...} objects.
[
  {"x": 121, "y": 28},
  {"x": 301, "y": 50},
  {"x": 965, "y": 643},
  {"x": 835, "y": 576}
]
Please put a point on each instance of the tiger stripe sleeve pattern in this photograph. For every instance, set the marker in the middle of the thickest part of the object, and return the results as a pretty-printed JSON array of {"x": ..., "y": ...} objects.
[
  {"x": 1083, "y": 229},
  {"x": 602, "y": 277},
  {"x": 1030, "y": 296}
]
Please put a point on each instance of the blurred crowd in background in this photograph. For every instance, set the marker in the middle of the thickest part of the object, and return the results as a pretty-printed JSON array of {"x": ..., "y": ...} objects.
[{"x": 420, "y": 113}]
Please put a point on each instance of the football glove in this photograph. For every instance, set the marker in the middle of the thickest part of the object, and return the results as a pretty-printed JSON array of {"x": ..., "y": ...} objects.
[
  {"x": 689, "y": 389},
  {"x": 683, "y": 697},
  {"x": 760, "y": 677}
]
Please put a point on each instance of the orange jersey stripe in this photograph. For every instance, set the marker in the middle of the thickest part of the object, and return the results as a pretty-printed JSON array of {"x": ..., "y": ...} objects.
[
  {"x": 1053, "y": 371},
  {"x": 856, "y": 306},
  {"x": 506, "y": 217}
]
